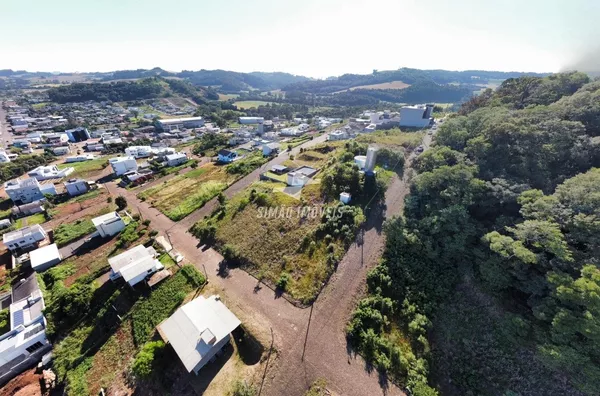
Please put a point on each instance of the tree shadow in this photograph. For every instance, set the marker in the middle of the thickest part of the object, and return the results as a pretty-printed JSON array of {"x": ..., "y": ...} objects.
[
  {"x": 248, "y": 347},
  {"x": 223, "y": 269}
]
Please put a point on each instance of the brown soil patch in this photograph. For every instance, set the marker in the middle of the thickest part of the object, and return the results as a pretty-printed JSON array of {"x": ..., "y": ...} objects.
[
  {"x": 89, "y": 262},
  {"x": 69, "y": 212},
  {"x": 25, "y": 384}
]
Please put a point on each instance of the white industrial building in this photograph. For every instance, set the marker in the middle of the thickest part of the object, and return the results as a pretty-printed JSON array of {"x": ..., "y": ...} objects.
[
  {"x": 24, "y": 237},
  {"x": 180, "y": 123},
  {"x": 109, "y": 224},
  {"x": 198, "y": 330},
  {"x": 251, "y": 120},
  {"x": 45, "y": 257},
  {"x": 134, "y": 265},
  {"x": 417, "y": 116},
  {"x": 61, "y": 150},
  {"x": 50, "y": 172},
  {"x": 176, "y": 159},
  {"x": 270, "y": 148},
  {"x": 22, "y": 191},
  {"x": 121, "y": 165}
]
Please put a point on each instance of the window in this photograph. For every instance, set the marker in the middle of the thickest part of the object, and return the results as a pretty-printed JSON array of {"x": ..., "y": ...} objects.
[{"x": 34, "y": 347}]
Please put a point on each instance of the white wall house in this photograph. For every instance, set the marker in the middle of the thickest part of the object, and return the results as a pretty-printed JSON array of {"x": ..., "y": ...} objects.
[
  {"x": 134, "y": 265},
  {"x": 4, "y": 157},
  {"x": 176, "y": 159},
  {"x": 77, "y": 187},
  {"x": 180, "y": 123},
  {"x": 270, "y": 148},
  {"x": 80, "y": 158},
  {"x": 417, "y": 116},
  {"x": 109, "y": 224},
  {"x": 50, "y": 172},
  {"x": 227, "y": 156},
  {"x": 22, "y": 191},
  {"x": 45, "y": 257},
  {"x": 296, "y": 179},
  {"x": 139, "y": 151},
  {"x": 24, "y": 237},
  {"x": 121, "y": 165},
  {"x": 198, "y": 330}
]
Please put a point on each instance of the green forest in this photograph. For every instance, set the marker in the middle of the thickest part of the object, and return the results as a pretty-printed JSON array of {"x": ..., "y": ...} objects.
[{"x": 490, "y": 279}]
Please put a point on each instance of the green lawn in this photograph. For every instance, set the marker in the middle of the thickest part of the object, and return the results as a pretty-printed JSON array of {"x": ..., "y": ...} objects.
[
  {"x": 247, "y": 104},
  {"x": 272, "y": 175},
  {"x": 37, "y": 218},
  {"x": 166, "y": 260},
  {"x": 85, "y": 168},
  {"x": 67, "y": 233},
  {"x": 393, "y": 139}
]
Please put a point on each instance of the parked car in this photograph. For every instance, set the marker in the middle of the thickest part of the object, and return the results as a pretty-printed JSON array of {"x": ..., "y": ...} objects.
[{"x": 420, "y": 149}]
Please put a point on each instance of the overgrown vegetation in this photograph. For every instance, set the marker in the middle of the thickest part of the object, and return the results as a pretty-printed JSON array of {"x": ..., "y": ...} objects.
[
  {"x": 70, "y": 232},
  {"x": 22, "y": 164},
  {"x": 505, "y": 208}
]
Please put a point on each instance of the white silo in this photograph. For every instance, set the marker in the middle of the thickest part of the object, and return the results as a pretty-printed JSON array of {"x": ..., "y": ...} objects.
[
  {"x": 361, "y": 161},
  {"x": 374, "y": 117},
  {"x": 371, "y": 158}
]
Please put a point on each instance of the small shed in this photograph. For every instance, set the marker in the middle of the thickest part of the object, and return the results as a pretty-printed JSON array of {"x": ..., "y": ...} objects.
[
  {"x": 45, "y": 257},
  {"x": 345, "y": 198},
  {"x": 5, "y": 223}
]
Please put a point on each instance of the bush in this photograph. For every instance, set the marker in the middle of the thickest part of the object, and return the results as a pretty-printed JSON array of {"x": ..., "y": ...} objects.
[
  {"x": 283, "y": 280},
  {"x": 243, "y": 389},
  {"x": 109, "y": 199},
  {"x": 121, "y": 202},
  {"x": 145, "y": 359},
  {"x": 136, "y": 217},
  {"x": 153, "y": 233},
  {"x": 146, "y": 222}
]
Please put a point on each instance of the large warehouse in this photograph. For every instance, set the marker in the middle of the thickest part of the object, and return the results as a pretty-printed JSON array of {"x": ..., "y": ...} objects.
[{"x": 172, "y": 124}]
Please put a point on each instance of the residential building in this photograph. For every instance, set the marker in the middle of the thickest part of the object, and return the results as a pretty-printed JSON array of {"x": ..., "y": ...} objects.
[
  {"x": 28, "y": 208},
  {"x": 120, "y": 165},
  {"x": 4, "y": 157},
  {"x": 176, "y": 159},
  {"x": 179, "y": 123},
  {"x": 77, "y": 187},
  {"x": 251, "y": 120},
  {"x": 139, "y": 151},
  {"x": 50, "y": 172},
  {"x": 417, "y": 116},
  {"x": 295, "y": 179},
  {"x": 108, "y": 224},
  {"x": 227, "y": 156},
  {"x": 338, "y": 135},
  {"x": 198, "y": 330},
  {"x": 25, "y": 237},
  {"x": 80, "y": 158},
  {"x": 45, "y": 257},
  {"x": 22, "y": 191},
  {"x": 26, "y": 341},
  {"x": 56, "y": 138},
  {"x": 61, "y": 150},
  {"x": 135, "y": 264},
  {"x": 78, "y": 134},
  {"x": 270, "y": 148},
  {"x": 5, "y": 223}
]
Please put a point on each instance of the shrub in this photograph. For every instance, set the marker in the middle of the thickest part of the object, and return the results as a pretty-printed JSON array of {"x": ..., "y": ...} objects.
[
  {"x": 283, "y": 280},
  {"x": 153, "y": 233},
  {"x": 146, "y": 222},
  {"x": 121, "y": 202},
  {"x": 145, "y": 359},
  {"x": 109, "y": 199},
  {"x": 243, "y": 389},
  {"x": 136, "y": 217}
]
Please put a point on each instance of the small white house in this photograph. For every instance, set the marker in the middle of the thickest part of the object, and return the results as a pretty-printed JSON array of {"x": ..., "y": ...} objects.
[
  {"x": 198, "y": 330},
  {"x": 138, "y": 151},
  {"x": 109, "y": 224},
  {"x": 270, "y": 148},
  {"x": 24, "y": 237},
  {"x": 5, "y": 223},
  {"x": 296, "y": 179},
  {"x": 45, "y": 257},
  {"x": 61, "y": 150},
  {"x": 4, "y": 157},
  {"x": 80, "y": 158},
  {"x": 134, "y": 265},
  {"x": 176, "y": 159},
  {"x": 345, "y": 198},
  {"x": 50, "y": 172},
  {"x": 227, "y": 156},
  {"x": 121, "y": 165},
  {"x": 77, "y": 187}
]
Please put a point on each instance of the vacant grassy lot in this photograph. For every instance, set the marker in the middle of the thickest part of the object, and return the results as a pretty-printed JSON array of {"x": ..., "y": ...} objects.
[
  {"x": 85, "y": 169},
  {"x": 247, "y": 104},
  {"x": 228, "y": 96},
  {"x": 184, "y": 194},
  {"x": 37, "y": 218},
  {"x": 387, "y": 85},
  {"x": 393, "y": 139},
  {"x": 69, "y": 232}
]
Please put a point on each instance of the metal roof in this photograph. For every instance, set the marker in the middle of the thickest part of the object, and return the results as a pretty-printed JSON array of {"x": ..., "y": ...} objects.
[
  {"x": 196, "y": 327},
  {"x": 44, "y": 255}
]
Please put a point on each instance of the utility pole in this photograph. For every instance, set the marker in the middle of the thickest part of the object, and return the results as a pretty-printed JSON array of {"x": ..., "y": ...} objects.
[{"x": 307, "y": 328}]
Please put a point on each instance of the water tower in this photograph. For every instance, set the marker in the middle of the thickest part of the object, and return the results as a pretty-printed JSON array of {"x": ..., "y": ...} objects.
[{"x": 371, "y": 159}]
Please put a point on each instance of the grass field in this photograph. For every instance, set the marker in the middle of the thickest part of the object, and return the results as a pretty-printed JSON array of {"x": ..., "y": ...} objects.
[
  {"x": 247, "y": 104},
  {"x": 393, "y": 139},
  {"x": 387, "y": 85},
  {"x": 85, "y": 168},
  {"x": 228, "y": 96},
  {"x": 184, "y": 194},
  {"x": 37, "y": 218}
]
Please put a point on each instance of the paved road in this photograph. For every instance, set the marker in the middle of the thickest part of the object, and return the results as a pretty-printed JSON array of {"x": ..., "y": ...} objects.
[
  {"x": 6, "y": 137},
  {"x": 326, "y": 353}
]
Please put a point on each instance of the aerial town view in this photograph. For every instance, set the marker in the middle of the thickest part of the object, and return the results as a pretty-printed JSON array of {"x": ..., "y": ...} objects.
[{"x": 205, "y": 198}]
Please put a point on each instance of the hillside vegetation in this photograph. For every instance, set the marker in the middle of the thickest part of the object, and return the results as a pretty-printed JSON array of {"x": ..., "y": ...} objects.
[{"x": 490, "y": 280}]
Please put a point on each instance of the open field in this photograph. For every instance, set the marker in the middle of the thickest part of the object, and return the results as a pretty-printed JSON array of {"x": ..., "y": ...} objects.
[
  {"x": 37, "y": 218},
  {"x": 184, "y": 194},
  {"x": 224, "y": 97},
  {"x": 86, "y": 169},
  {"x": 247, "y": 104},
  {"x": 393, "y": 139},
  {"x": 387, "y": 85}
]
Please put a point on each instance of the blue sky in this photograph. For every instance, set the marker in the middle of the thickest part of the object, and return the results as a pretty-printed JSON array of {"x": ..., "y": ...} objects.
[{"x": 309, "y": 37}]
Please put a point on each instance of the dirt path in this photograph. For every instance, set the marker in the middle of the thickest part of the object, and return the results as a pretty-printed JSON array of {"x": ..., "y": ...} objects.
[{"x": 326, "y": 353}]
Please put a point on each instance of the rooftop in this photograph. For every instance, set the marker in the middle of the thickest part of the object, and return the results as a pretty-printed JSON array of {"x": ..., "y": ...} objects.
[
  {"x": 134, "y": 262},
  {"x": 105, "y": 218},
  {"x": 24, "y": 288},
  {"x": 179, "y": 120},
  {"x": 22, "y": 233},
  {"x": 26, "y": 311},
  {"x": 196, "y": 327},
  {"x": 43, "y": 255}
]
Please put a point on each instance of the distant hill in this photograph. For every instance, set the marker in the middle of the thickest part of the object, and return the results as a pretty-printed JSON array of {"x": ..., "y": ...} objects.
[
  {"x": 146, "y": 88},
  {"x": 228, "y": 81}
]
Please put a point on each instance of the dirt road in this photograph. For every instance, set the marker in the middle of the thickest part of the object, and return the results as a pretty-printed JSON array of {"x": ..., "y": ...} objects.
[{"x": 325, "y": 353}]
